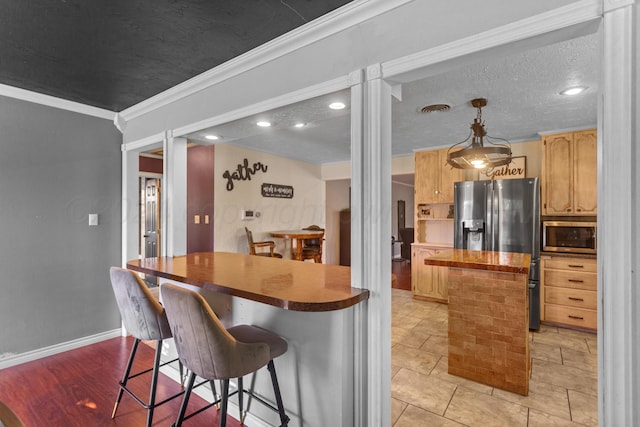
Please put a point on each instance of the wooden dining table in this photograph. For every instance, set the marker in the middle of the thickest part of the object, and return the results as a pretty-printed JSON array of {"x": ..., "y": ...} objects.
[{"x": 298, "y": 237}]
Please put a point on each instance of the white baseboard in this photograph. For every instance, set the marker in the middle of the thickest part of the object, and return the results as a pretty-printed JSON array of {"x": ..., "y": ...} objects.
[
  {"x": 205, "y": 392},
  {"x": 17, "y": 359}
]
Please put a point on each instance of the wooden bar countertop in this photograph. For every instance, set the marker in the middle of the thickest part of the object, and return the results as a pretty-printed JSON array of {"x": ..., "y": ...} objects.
[
  {"x": 504, "y": 262},
  {"x": 292, "y": 285}
]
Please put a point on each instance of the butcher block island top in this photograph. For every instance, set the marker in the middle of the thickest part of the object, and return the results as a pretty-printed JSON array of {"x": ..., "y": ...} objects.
[
  {"x": 291, "y": 285},
  {"x": 488, "y": 317},
  {"x": 505, "y": 262}
]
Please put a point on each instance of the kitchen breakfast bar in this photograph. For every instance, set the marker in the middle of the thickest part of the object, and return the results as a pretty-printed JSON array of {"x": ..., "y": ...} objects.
[
  {"x": 488, "y": 316},
  {"x": 312, "y": 306}
]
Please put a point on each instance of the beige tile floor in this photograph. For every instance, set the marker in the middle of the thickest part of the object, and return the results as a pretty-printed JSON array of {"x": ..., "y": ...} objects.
[{"x": 562, "y": 389}]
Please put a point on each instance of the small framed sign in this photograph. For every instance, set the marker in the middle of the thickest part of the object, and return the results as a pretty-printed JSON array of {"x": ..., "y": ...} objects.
[
  {"x": 516, "y": 169},
  {"x": 277, "y": 190}
]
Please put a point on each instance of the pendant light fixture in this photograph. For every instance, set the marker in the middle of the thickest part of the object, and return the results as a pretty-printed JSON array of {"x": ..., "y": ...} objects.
[{"x": 476, "y": 155}]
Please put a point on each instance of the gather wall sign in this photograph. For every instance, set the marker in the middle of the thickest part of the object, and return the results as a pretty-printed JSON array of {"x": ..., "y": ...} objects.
[
  {"x": 516, "y": 169},
  {"x": 243, "y": 172}
]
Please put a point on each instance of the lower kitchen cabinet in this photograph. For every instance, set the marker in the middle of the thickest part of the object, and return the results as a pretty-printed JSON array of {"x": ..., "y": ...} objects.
[
  {"x": 428, "y": 282},
  {"x": 569, "y": 291}
]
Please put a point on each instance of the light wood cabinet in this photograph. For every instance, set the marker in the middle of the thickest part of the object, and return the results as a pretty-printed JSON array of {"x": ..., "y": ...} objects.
[
  {"x": 428, "y": 282},
  {"x": 434, "y": 178},
  {"x": 569, "y": 177},
  {"x": 568, "y": 291}
]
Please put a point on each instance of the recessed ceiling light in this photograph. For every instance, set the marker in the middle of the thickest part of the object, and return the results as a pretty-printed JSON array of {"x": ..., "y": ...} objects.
[
  {"x": 337, "y": 105},
  {"x": 212, "y": 137},
  {"x": 299, "y": 125},
  {"x": 573, "y": 90},
  {"x": 263, "y": 124}
]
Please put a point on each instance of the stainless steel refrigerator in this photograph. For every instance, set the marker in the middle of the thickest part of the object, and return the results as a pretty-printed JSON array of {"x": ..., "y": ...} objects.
[{"x": 504, "y": 216}]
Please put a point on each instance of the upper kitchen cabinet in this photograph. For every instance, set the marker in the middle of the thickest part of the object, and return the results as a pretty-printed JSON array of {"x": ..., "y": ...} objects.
[
  {"x": 434, "y": 178},
  {"x": 569, "y": 174}
]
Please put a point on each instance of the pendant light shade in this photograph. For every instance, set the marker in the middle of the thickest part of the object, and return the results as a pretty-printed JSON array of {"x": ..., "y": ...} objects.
[{"x": 476, "y": 155}]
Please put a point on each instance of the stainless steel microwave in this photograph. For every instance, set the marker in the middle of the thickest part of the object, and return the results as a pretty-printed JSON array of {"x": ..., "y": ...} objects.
[{"x": 569, "y": 236}]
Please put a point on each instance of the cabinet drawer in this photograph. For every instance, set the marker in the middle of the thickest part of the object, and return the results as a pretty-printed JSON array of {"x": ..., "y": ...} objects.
[
  {"x": 572, "y": 264},
  {"x": 571, "y": 316},
  {"x": 570, "y": 279},
  {"x": 571, "y": 297}
]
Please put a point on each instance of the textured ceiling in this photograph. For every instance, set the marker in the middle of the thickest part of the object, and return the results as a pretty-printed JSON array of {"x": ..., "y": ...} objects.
[
  {"x": 113, "y": 54},
  {"x": 523, "y": 100}
]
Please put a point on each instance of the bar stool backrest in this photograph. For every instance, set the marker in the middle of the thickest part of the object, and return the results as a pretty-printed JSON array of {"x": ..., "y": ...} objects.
[
  {"x": 204, "y": 345},
  {"x": 143, "y": 316}
]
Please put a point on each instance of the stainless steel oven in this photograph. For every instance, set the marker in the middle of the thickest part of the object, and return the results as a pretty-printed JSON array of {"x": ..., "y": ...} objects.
[{"x": 569, "y": 236}]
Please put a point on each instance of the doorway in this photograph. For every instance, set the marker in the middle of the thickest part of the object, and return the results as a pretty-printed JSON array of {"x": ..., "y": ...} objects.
[{"x": 150, "y": 220}]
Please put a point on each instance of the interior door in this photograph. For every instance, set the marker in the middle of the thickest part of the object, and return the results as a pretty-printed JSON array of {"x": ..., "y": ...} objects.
[{"x": 151, "y": 218}]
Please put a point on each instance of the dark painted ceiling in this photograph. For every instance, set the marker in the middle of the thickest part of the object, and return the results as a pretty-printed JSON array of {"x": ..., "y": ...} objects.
[{"x": 113, "y": 54}]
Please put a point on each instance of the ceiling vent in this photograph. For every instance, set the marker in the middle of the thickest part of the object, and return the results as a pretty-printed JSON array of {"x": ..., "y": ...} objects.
[{"x": 435, "y": 107}]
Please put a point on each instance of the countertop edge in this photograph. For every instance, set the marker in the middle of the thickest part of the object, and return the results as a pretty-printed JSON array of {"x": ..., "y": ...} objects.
[
  {"x": 445, "y": 260},
  {"x": 303, "y": 306}
]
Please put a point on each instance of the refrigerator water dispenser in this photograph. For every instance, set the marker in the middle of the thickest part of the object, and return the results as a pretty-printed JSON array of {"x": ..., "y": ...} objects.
[{"x": 473, "y": 234}]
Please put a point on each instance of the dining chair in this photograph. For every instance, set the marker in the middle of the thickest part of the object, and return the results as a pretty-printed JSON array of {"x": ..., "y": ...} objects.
[
  {"x": 312, "y": 248},
  {"x": 260, "y": 245},
  {"x": 145, "y": 319},
  {"x": 212, "y": 352}
]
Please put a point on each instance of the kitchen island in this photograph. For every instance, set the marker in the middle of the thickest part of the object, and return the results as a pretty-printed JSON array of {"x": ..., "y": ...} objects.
[
  {"x": 488, "y": 316},
  {"x": 312, "y": 306}
]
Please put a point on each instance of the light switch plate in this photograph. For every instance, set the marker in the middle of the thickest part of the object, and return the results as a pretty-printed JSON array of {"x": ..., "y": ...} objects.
[{"x": 93, "y": 219}]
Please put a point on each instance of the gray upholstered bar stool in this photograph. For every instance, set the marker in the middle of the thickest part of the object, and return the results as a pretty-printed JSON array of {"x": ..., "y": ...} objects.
[
  {"x": 8, "y": 418},
  {"x": 212, "y": 352},
  {"x": 145, "y": 319}
]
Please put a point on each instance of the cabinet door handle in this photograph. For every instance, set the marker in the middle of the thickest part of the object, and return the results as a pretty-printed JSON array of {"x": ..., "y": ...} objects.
[
  {"x": 576, "y": 281},
  {"x": 576, "y": 266},
  {"x": 576, "y": 299},
  {"x": 576, "y": 317}
]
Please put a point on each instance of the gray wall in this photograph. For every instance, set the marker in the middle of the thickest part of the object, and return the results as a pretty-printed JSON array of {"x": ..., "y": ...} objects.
[{"x": 56, "y": 167}]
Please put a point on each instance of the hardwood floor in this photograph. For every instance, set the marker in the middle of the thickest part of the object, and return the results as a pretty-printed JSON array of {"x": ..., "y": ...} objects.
[{"x": 79, "y": 387}]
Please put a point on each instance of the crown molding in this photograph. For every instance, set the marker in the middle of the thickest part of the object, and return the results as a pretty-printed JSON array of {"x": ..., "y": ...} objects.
[
  {"x": 144, "y": 142},
  {"x": 335, "y": 21},
  {"x": 339, "y": 83},
  {"x": 52, "y": 101},
  {"x": 610, "y": 5},
  {"x": 577, "y": 13}
]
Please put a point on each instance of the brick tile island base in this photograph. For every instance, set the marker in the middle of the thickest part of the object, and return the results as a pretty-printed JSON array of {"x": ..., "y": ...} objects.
[{"x": 488, "y": 317}]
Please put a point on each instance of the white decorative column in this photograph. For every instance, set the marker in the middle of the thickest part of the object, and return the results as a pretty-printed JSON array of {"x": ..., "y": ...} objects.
[
  {"x": 360, "y": 333},
  {"x": 130, "y": 200},
  {"x": 174, "y": 196},
  {"x": 375, "y": 221},
  {"x": 619, "y": 220}
]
